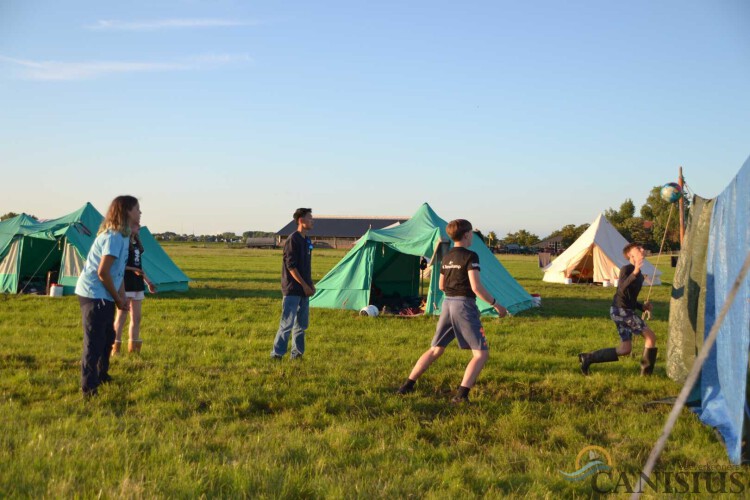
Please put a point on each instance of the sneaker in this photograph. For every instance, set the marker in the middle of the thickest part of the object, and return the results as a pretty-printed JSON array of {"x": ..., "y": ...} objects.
[
  {"x": 405, "y": 389},
  {"x": 459, "y": 400},
  {"x": 105, "y": 378},
  {"x": 276, "y": 357}
]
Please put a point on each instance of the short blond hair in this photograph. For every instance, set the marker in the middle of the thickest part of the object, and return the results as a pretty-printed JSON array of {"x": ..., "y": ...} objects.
[{"x": 456, "y": 229}]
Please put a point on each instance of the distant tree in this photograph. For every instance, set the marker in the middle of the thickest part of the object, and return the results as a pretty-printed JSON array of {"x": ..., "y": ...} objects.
[
  {"x": 569, "y": 233},
  {"x": 9, "y": 215},
  {"x": 258, "y": 234},
  {"x": 478, "y": 234},
  {"x": 634, "y": 229},
  {"x": 626, "y": 211},
  {"x": 657, "y": 210},
  {"x": 491, "y": 239},
  {"x": 521, "y": 237}
]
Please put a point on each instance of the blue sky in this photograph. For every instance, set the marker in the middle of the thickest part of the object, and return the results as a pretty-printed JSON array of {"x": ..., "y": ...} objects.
[{"x": 227, "y": 115}]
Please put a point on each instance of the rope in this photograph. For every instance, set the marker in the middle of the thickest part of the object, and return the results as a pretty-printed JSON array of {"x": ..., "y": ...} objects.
[
  {"x": 691, "y": 380},
  {"x": 647, "y": 314},
  {"x": 57, "y": 243}
]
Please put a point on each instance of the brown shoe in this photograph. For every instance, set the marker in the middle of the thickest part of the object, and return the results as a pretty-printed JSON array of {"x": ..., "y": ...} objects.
[
  {"x": 116, "y": 347},
  {"x": 134, "y": 346}
]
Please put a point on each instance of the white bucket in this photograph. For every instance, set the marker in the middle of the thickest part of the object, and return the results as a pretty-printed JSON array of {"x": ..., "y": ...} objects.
[
  {"x": 615, "y": 283},
  {"x": 370, "y": 310},
  {"x": 568, "y": 281},
  {"x": 56, "y": 291},
  {"x": 606, "y": 283},
  {"x": 536, "y": 301}
]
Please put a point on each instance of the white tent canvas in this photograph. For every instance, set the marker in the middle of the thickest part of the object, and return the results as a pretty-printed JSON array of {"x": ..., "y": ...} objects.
[{"x": 596, "y": 254}]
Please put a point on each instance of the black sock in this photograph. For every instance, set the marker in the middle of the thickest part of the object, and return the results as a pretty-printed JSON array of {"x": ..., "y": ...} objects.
[
  {"x": 463, "y": 392},
  {"x": 409, "y": 384}
]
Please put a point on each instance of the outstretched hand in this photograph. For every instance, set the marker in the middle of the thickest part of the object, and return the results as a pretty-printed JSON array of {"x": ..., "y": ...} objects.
[{"x": 501, "y": 311}]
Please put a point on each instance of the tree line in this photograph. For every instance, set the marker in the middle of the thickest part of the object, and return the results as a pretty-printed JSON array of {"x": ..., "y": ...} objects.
[
  {"x": 647, "y": 228},
  {"x": 228, "y": 237}
]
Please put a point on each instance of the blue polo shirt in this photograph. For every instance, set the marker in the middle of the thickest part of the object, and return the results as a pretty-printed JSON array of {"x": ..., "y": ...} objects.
[{"x": 107, "y": 243}]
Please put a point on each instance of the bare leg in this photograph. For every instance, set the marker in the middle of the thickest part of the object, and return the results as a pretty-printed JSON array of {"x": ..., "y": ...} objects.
[
  {"x": 649, "y": 337},
  {"x": 625, "y": 347},
  {"x": 478, "y": 359},
  {"x": 119, "y": 324},
  {"x": 135, "y": 320},
  {"x": 425, "y": 360}
]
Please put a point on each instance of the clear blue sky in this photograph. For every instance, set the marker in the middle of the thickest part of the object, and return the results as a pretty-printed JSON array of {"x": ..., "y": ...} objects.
[{"x": 226, "y": 115}]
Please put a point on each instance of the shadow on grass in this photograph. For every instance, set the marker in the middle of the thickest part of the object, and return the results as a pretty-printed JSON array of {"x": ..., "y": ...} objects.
[
  {"x": 575, "y": 308},
  {"x": 218, "y": 293}
]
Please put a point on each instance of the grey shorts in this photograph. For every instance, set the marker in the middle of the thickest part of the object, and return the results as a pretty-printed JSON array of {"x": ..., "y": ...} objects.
[
  {"x": 627, "y": 322},
  {"x": 459, "y": 320}
]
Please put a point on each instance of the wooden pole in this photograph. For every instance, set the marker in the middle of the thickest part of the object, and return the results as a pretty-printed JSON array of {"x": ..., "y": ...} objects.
[{"x": 681, "y": 182}]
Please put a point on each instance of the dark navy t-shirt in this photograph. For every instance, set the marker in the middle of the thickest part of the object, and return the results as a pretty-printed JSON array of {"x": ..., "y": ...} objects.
[
  {"x": 297, "y": 255},
  {"x": 628, "y": 288},
  {"x": 455, "y": 267}
]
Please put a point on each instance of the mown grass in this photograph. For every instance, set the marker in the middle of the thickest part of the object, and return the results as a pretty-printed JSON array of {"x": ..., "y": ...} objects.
[{"x": 203, "y": 411}]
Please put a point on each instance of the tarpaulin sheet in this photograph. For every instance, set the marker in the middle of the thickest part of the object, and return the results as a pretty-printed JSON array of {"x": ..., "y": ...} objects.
[{"x": 724, "y": 375}]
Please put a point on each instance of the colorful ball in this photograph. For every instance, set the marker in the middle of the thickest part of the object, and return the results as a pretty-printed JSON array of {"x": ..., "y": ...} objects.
[{"x": 671, "y": 192}]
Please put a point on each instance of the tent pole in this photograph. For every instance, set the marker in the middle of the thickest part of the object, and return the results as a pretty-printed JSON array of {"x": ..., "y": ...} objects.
[{"x": 681, "y": 182}]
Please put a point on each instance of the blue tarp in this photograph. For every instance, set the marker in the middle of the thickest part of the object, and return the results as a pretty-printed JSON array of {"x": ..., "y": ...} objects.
[{"x": 724, "y": 375}]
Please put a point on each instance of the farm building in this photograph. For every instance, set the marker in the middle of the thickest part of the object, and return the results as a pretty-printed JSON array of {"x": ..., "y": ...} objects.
[{"x": 338, "y": 231}]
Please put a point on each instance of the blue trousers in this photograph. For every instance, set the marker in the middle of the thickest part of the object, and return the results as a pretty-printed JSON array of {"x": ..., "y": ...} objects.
[
  {"x": 295, "y": 316},
  {"x": 98, "y": 317}
]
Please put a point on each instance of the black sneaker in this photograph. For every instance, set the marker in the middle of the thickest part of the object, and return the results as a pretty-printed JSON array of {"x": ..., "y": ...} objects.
[
  {"x": 405, "y": 389},
  {"x": 105, "y": 378},
  {"x": 459, "y": 400},
  {"x": 585, "y": 359},
  {"x": 276, "y": 357}
]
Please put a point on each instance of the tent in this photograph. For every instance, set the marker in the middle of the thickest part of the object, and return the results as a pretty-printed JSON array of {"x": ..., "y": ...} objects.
[
  {"x": 596, "y": 254},
  {"x": 715, "y": 245},
  {"x": 387, "y": 260},
  {"x": 29, "y": 249}
]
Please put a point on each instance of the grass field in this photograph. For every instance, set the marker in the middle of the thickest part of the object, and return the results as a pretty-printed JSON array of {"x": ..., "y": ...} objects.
[{"x": 203, "y": 411}]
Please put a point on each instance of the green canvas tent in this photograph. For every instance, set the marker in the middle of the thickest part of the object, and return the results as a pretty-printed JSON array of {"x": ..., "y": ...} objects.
[
  {"x": 29, "y": 249},
  {"x": 388, "y": 260}
]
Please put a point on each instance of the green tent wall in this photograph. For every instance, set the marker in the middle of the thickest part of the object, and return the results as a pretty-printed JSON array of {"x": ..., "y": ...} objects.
[
  {"x": 389, "y": 260},
  {"x": 31, "y": 248}
]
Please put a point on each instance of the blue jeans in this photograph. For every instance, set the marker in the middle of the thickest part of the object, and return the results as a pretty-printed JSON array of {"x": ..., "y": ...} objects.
[
  {"x": 98, "y": 317},
  {"x": 295, "y": 316}
]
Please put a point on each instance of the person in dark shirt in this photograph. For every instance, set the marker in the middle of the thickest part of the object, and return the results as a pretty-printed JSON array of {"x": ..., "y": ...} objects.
[
  {"x": 136, "y": 282},
  {"x": 296, "y": 287},
  {"x": 627, "y": 321},
  {"x": 459, "y": 318}
]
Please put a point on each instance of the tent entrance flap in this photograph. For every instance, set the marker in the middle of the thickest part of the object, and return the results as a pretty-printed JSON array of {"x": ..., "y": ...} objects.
[
  {"x": 582, "y": 270},
  {"x": 395, "y": 275},
  {"x": 38, "y": 257}
]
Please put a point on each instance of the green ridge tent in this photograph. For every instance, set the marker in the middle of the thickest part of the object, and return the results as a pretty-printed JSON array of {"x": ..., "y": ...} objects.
[
  {"x": 389, "y": 260},
  {"x": 29, "y": 249}
]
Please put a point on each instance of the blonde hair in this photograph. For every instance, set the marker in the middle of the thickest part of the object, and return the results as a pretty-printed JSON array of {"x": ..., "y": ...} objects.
[{"x": 117, "y": 215}]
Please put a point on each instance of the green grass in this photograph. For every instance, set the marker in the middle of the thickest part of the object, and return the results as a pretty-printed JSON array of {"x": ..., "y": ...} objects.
[{"x": 204, "y": 412}]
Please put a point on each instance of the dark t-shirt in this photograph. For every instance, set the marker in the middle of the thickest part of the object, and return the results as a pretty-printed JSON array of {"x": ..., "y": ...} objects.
[
  {"x": 628, "y": 287},
  {"x": 297, "y": 255},
  {"x": 133, "y": 282},
  {"x": 455, "y": 267}
]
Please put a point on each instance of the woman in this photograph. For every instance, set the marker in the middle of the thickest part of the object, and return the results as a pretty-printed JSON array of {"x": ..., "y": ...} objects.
[
  {"x": 135, "y": 284},
  {"x": 100, "y": 290}
]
